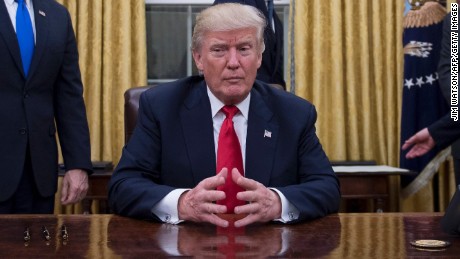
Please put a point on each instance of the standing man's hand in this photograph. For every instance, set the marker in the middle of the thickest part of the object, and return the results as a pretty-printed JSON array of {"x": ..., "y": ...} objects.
[
  {"x": 74, "y": 186},
  {"x": 198, "y": 204},
  {"x": 421, "y": 143},
  {"x": 263, "y": 204}
]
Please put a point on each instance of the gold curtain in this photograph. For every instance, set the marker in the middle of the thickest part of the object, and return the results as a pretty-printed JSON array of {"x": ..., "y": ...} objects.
[
  {"x": 347, "y": 59},
  {"x": 111, "y": 37},
  {"x": 348, "y": 63}
]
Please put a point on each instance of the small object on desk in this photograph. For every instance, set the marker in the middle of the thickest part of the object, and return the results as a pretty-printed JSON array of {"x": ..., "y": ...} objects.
[
  {"x": 430, "y": 243},
  {"x": 64, "y": 233},
  {"x": 26, "y": 234},
  {"x": 46, "y": 233}
]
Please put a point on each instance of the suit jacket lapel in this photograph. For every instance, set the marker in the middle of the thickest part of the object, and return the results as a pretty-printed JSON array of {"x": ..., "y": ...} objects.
[
  {"x": 198, "y": 132},
  {"x": 261, "y": 139},
  {"x": 41, "y": 32},
  {"x": 9, "y": 36}
]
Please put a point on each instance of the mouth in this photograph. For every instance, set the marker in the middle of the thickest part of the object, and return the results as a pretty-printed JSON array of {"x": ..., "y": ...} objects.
[{"x": 233, "y": 80}]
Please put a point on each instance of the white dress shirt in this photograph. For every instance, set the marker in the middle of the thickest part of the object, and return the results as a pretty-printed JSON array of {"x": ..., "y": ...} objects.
[
  {"x": 12, "y": 8},
  {"x": 167, "y": 210}
]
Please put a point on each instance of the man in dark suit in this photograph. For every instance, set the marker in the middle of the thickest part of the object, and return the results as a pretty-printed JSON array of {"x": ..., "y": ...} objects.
[
  {"x": 37, "y": 97},
  {"x": 168, "y": 170},
  {"x": 444, "y": 71},
  {"x": 271, "y": 70}
]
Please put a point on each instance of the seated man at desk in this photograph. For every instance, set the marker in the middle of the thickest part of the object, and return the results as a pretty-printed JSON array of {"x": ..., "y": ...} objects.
[{"x": 224, "y": 142}]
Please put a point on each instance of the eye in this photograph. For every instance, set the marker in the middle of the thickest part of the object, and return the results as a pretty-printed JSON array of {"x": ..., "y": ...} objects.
[
  {"x": 217, "y": 51},
  {"x": 244, "y": 50}
]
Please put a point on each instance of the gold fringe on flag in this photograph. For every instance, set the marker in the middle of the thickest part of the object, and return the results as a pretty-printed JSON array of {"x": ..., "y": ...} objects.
[
  {"x": 426, "y": 174},
  {"x": 428, "y": 14}
]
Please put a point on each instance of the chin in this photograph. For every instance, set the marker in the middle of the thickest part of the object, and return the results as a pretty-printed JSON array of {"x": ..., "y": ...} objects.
[{"x": 234, "y": 97}]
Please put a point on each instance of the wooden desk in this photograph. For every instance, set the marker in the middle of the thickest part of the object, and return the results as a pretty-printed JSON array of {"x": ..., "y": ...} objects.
[
  {"x": 360, "y": 235},
  {"x": 367, "y": 183}
]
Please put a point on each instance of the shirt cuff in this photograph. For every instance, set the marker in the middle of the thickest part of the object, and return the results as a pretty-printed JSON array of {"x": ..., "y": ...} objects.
[
  {"x": 166, "y": 208},
  {"x": 288, "y": 211}
]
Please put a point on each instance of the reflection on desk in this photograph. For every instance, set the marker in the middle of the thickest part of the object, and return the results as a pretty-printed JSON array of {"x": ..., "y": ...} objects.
[{"x": 361, "y": 235}]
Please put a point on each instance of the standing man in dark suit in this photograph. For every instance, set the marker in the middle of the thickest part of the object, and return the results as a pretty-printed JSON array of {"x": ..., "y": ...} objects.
[
  {"x": 170, "y": 168},
  {"x": 40, "y": 91},
  {"x": 271, "y": 70},
  {"x": 444, "y": 71}
]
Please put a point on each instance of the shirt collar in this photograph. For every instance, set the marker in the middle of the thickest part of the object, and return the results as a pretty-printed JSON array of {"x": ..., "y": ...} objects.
[
  {"x": 11, "y": 2},
  {"x": 216, "y": 104}
]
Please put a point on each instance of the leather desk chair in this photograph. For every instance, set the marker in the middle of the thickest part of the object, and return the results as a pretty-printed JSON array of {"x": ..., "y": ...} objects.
[{"x": 132, "y": 96}]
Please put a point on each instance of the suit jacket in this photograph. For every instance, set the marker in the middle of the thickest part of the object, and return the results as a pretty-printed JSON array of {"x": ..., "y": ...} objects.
[
  {"x": 445, "y": 131},
  {"x": 444, "y": 72},
  {"x": 32, "y": 107},
  {"x": 172, "y": 147},
  {"x": 271, "y": 69}
]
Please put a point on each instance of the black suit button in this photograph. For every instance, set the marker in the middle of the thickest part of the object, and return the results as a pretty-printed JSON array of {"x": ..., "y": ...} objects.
[
  {"x": 22, "y": 131},
  {"x": 26, "y": 96}
]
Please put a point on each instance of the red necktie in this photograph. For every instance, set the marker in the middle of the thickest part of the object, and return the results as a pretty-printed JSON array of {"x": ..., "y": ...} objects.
[{"x": 229, "y": 156}]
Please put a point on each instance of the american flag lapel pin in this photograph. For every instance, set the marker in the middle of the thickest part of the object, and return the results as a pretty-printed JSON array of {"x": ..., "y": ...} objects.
[
  {"x": 42, "y": 13},
  {"x": 267, "y": 134}
]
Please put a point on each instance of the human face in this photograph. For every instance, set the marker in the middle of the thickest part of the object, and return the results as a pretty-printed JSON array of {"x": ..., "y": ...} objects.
[{"x": 229, "y": 61}]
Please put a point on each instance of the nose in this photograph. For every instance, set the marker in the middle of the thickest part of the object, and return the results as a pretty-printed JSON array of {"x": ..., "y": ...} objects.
[{"x": 233, "y": 59}]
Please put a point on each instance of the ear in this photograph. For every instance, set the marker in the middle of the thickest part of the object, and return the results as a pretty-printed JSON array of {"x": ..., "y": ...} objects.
[
  {"x": 259, "y": 60},
  {"x": 197, "y": 57}
]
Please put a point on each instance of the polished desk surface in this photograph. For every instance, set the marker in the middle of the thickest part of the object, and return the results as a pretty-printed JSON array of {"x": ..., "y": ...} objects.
[{"x": 360, "y": 235}]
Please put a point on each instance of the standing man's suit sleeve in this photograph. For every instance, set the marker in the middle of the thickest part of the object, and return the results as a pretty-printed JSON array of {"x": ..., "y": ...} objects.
[
  {"x": 446, "y": 131},
  {"x": 444, "y": 60},
  {"x": 70, "y": 108}
]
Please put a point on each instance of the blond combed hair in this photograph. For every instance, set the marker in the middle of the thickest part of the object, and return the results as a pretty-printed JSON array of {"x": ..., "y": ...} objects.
[{"x": 228, "y": 17}]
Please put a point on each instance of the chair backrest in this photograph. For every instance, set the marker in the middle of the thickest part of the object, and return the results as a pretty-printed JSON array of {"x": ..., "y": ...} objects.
[{"x": 131, "y": 106}]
